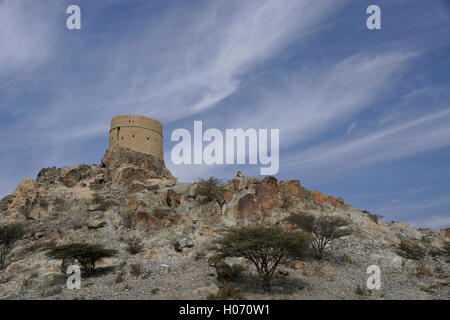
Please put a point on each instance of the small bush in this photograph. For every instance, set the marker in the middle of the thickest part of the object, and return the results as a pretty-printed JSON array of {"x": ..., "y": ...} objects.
[
  {"x": 226, "y": 293},
  {"x": 373, "y": 216},
  {"x": 323, "y": 230},
  {"x": 134, "y": 244},
  {"x": 127, "y": 219},
  {"x": 155, "y": 291},
  {"x": 136, "y": 269},
  {"x": 9, "y": 235},
  {"x": 264, "y": 247},
  {"x": 200, "y": 255},
  {"x": 208, "y": 188},
  {"x": 86, "y": 254},
  {"x": 360, "y": 291},
  {"x": 411, "y": 250}
]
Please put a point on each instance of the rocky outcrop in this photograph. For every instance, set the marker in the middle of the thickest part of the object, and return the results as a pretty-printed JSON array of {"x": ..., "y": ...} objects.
[
  {"x": 134, "y": 194},
  {"x": 267, "y": 196},
  {"x": 127, "y": 168}
]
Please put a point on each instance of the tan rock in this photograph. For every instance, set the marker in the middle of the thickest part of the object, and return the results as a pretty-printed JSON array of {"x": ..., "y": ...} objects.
[
  {"x": 27, "y": 189},
  {"x": 299, "y": 265},
  {"x": 96, "y": 224},
  {"x": 284, "y": 273},
  {"x": 151, "y": 253},
  {"x": 227, "y": 196}
]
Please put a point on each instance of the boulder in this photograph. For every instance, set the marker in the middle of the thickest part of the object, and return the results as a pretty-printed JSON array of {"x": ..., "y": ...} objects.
[
  {"x": 96, "y": 224},
  {"x": 224, "y": 272},
  {"x": 48, "y": 176},
  {"x": 74, "y": 175},
  {"x": 173, "y": 198},
  {"x": 125, "y": 166},
  {"x": 248, "y": 208},
  {"x": 227, "y": 196}
]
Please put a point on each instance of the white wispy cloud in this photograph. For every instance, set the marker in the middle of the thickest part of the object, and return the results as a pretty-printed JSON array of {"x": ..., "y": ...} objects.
[
  {"x": 317, "y": 100},
  {"x": 214, "y": 50},
  {"x": 183, "y": 66},
  {"x": 26, "y": 37},
  {"x": 420, "y": 135},
  {"x": 351, "y": 128}
]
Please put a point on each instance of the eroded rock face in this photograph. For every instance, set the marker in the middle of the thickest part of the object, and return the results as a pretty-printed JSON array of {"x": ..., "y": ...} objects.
[
  {"x": 126, "y": 167},
  {"x": 76, "y": 174},
  {"x": 119, "y": 157},
  {"x": 267, "y": 196},
  {"x": 48, "y": 176},
  {"x": 5, "y": 202},
  {"x": 248, "y": 208},
  {"x": 25, "y": 193},
  {"x": 89, "y": 203}
]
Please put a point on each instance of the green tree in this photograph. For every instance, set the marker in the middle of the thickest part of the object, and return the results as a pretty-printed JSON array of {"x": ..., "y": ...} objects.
[
  {"x": 323, "y": 230},
  {"x": 9, "y": 235},
  {"x": 263, "y": 246},
  {"x": 85, "y": 253}
]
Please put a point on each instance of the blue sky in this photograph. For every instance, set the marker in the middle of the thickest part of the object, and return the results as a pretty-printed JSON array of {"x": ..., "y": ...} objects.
[{"x": 362, "y": 114}]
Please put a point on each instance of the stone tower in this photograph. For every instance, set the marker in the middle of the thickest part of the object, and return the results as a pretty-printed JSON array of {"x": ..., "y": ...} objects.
[{"x": 137, "y": 133}]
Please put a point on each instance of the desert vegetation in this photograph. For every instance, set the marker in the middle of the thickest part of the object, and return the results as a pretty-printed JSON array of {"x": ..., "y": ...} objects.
[
  {"x": 322, "y": 230},
  {"x": 85, "y": 253},
  {"x": 411, "y": 250},
  {"x": 263, "y": 246},
  {"x": 9, "y": 235}
]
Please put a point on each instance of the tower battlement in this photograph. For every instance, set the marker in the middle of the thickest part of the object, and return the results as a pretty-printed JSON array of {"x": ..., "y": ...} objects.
[{"x": 138, "y": 133}]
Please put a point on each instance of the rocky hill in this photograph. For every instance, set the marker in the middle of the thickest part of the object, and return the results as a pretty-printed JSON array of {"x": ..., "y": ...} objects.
[{"x": 133, "y": 195}]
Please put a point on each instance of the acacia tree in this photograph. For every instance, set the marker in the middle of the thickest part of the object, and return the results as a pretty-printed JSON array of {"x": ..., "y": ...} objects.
[
  {"x": 85, "y": 253},
  {"x": 263, "y": 246},
  {"x": 323, "y": 230},
  {"x": 9, "y": 235}
]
